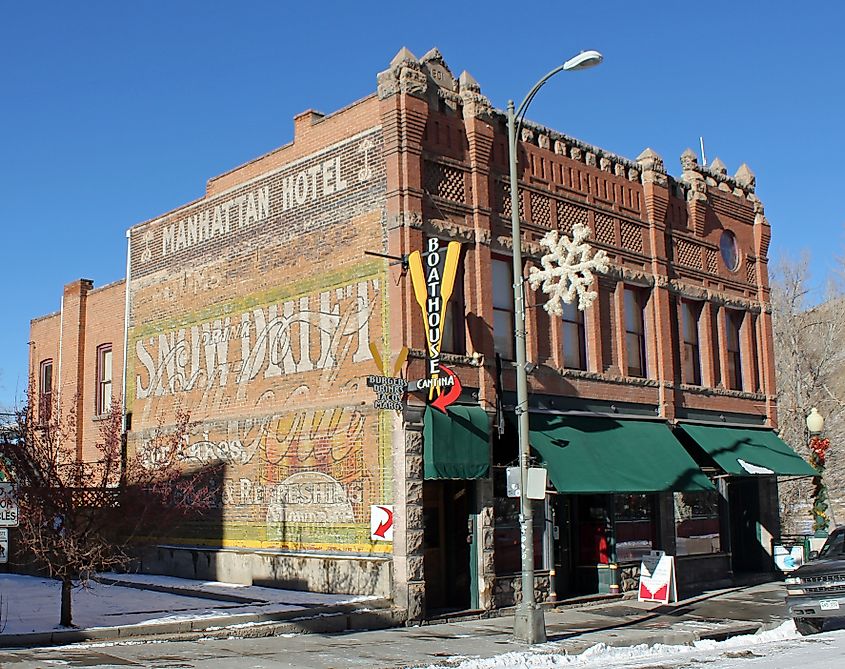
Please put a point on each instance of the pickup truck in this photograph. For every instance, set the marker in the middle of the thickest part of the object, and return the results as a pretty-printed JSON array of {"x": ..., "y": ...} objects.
[{"x": 816, "y": 590}]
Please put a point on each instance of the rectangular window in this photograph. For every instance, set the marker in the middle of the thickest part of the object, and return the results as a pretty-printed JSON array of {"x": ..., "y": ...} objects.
[
  {"x": 574, "y": 338},
  {"x": 104, "y": 379},
  {"x": 733, "y": 327},
  {"x": 454, "y": 320},
  {"x": 503, "y": 320},
  {"x": 636, "y": 529},
  {"x": 755, "y": 357},
  {"x": 635, "y": 331},
  {"x": 690, "y": 355},
  {"x": 697, "y": 523},
  {"x": 45, "y": 390}
]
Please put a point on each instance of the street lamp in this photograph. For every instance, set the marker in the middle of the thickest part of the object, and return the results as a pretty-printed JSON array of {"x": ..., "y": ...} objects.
[
  {"x": 815, "y": 422},
  {"x": 819, "y": 446},
  {"x": 529, "y": 625}
]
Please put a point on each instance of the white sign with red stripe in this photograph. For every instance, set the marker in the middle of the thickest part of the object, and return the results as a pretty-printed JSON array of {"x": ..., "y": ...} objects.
[
  {"x": 657, "y": 578},
  {"x": 381, "y": 522}
]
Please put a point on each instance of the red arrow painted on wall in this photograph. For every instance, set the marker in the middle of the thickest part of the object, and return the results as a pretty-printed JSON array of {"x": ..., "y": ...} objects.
[
  {"x": 453, "y": 394},
  {"x": 384, "y": 525}
]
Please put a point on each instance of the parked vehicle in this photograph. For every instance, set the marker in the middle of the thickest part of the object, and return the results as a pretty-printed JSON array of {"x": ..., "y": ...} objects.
[{"x": 816, "y": 590}]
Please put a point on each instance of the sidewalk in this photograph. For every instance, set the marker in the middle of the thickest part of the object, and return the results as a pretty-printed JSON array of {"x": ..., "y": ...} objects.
[{"x": 178, "y": 609}]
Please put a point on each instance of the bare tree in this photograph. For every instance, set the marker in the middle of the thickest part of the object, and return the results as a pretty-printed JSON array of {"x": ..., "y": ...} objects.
[
  {"x": 78, "y": 517},
  {"x": 809, "y": 362}
]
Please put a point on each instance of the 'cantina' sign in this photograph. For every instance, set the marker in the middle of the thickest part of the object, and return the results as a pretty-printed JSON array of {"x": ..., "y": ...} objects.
[{"x": 434, "y": 283}]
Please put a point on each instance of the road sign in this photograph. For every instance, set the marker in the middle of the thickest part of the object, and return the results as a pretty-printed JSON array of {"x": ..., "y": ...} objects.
[
  {"x": 8, "y": 506},
  {"x": 4, "y": 545}
]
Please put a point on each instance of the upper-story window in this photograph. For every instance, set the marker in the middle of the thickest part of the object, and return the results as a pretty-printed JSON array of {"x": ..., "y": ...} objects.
[
  {"x": 104, "y": 379},
  {"x": 573, "y": 337},
  {"x": 503, "y": 321},
  {"x": 733, "y": 327},
  {"x": 45, "y": 390},
  {"x": 754, "y": 357},
  {"x": 729, "y": 249},
  {"x": 454, "y": 320},
  {"x": 635, "y": 355},
  {"x": 690, "y": 354}
]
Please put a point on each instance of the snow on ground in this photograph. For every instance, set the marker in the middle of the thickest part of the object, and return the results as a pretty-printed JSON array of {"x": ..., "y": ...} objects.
[
  {"x": 552, "y": 656},
  {"x": 31, "y": 604}
]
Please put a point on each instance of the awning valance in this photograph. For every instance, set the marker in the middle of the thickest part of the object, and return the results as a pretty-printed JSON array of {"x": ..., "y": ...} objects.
[
  {"x": 748, "y": 451},
  {"x": 599, "y": 454},
  {"x": 456, "y": 445}
]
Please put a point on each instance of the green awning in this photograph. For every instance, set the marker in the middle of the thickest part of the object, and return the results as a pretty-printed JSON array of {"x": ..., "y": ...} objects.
[
  {"x": 748, "y": 451},
  {"x": 456, "y": 445},
  {"x": 595, "y": 455}
]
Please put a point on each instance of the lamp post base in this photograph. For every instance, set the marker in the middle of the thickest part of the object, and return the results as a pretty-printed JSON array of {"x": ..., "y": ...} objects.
[{"x": 529, "y": 625}]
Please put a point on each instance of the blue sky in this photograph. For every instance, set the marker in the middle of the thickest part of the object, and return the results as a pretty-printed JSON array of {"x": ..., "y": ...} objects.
[{"x": 113, "y": 113}]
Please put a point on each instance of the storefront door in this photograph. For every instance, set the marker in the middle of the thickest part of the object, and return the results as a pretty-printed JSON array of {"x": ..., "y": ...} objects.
[
  {"x": 592, "y": 540},
  {"x": 447, "y": 509},
  {"x": 747, "y": 554},
  {"x": 563, "y": 558}
]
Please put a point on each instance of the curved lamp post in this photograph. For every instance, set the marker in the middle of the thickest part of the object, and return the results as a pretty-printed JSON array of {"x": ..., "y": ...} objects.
[{"x": 529, "y": 625}]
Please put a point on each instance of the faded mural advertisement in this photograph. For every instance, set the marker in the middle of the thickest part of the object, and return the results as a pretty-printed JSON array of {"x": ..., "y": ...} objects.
[{"x": 272, "y": 365}]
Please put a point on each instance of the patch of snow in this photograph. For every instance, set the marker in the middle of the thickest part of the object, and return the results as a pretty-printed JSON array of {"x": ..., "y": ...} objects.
[
  {"x": 31, "y": 604},
  {"x": 552, "y": 656}
]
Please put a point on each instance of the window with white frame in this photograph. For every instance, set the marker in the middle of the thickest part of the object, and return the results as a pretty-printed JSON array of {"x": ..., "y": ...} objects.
[
  {"x": 573, "y": 337},
  {"x": 690, "y": 353},
  {"x": 104, "y": 379},
  {"x": 635, "y": 352},
  {"x": 45, "y": 390},
  {"x": 733, "y": 328}
]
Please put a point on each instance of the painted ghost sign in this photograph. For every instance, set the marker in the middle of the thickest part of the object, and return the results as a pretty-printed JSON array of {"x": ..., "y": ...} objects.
[{"x": 253, "y": 309}]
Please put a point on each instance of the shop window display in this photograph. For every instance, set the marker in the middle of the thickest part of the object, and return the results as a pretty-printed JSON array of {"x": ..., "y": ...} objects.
[
  {"x": 697, "y": 523},
  {"x": 635, "y": 526}
]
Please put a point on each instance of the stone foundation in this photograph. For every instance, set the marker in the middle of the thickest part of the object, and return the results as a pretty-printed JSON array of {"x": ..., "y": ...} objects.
[{"x": 354, "y": 575}]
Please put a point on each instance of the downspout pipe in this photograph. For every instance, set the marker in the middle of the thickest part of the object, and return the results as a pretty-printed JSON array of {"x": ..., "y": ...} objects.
[{"x": 123, "y": 423}]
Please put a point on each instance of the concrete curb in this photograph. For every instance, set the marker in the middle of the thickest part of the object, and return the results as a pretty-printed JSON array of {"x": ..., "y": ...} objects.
[{"x": 326, "y": 620}]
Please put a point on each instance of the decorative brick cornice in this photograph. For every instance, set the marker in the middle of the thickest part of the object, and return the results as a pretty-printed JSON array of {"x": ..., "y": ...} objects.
[
  {"x": 530, "y": 249},
  {"x": 697, "y": 177},
  {"x": 473, "y": 103},
  {"x": 410, "y": 219},
  {"x": 452, "y": 229},
  {"x": 608, "y": 378},
  {"x": 723, "y": 392},
  {"x": 628, "y": 275},
  {"x": 404, "y": 75},
  {"x": 564, "y": 145},
  {"x": 653, "y": 170},
  {"x": 695, "y": 292}
]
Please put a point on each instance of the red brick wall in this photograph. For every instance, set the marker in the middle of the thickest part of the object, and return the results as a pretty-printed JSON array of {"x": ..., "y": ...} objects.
[
  {"x": 253, "y": 308},
  {"x": 104, "y": 325},
  {"x": 88, "y": 318},
  {"x": 447, "y": 154}
]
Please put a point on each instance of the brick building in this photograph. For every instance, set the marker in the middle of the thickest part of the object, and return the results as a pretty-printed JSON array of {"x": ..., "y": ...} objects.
[{"x": 261, "y": 308}]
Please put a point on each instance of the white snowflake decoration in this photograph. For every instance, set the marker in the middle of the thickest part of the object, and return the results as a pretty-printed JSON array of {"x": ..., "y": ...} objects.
[{"x": 568, "y": 269}]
